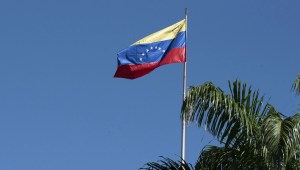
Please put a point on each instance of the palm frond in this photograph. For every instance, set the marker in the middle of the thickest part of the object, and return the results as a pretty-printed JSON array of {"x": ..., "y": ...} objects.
[
  {"x": 294, "y": 162},
  {"x": 167, "y": 164},
  {"x": 224, "y": 115},
  {"x": 296, "y": 85},
  {"x": 213, "y": 157},
  {"x": 281, "y": 137}
]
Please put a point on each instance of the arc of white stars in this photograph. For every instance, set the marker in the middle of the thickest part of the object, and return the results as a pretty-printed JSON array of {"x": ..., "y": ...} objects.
[{"x": 151, "y": 48}]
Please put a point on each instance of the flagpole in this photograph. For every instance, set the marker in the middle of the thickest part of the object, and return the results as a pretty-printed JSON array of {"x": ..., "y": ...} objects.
[{"x": 183, "y": 130}]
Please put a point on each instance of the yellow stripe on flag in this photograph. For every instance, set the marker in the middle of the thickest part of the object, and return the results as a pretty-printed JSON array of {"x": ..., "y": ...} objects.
[{"x": 164, "y": 34}]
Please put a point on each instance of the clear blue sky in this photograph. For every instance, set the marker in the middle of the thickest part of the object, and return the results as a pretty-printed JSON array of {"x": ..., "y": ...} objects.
[{"x": 61, "y": 108}]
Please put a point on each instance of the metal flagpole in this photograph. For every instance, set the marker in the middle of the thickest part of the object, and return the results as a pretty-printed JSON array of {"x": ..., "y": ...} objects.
[{"x": 184, "y": 95}]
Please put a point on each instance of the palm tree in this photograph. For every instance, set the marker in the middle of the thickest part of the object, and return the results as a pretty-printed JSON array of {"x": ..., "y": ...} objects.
[
  {"x": 274, "y": 146},
  {"x": 251, "y": 135}
]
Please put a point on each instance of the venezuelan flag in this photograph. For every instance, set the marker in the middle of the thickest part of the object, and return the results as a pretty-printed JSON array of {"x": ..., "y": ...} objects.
[{"x": 163, "y": 47}]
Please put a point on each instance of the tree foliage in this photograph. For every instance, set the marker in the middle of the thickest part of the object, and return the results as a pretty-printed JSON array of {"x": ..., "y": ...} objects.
[{"x": 252, "y": 134}]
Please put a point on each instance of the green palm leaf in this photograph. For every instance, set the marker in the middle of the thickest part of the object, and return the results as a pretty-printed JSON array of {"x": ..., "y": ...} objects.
[
  {"x": 226, "y": 116},
  {"x": 281, "y": 136},
  {"x": 296, "y": 85},
  {"x": 213, "y": 157},
  {"x": 167, "y": 164}
]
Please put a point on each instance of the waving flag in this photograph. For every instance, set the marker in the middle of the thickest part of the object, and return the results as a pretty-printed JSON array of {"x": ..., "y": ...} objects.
[{"x": 163, "y": 47}]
